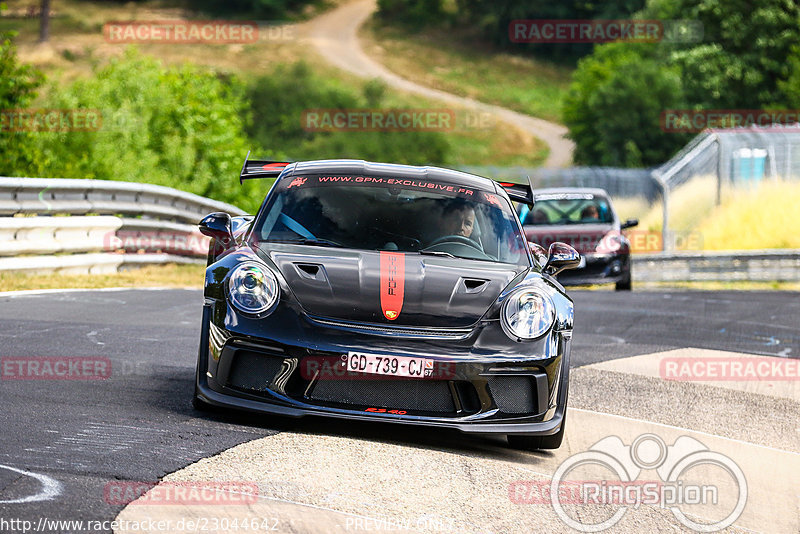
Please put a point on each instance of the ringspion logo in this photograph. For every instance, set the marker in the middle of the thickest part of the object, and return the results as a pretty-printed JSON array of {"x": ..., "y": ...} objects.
[{"x": 705, "y": 490}]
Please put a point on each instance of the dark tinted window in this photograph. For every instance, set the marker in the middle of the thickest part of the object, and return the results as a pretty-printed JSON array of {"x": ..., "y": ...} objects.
[
  {"x": 568, "y": 208},
  {"x": 406, "y": 215}
]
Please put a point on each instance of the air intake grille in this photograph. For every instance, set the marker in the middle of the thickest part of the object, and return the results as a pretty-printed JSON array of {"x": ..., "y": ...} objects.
[
  {"x": 419, "y": 395},
  {"x": 253, "y": 371},
  {"x": 513, "y": 394}
]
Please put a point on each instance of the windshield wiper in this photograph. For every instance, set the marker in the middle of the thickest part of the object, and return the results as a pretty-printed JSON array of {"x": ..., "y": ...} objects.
[
  {"x": 314, "y": 242},
  {"x": 436, "y": 253}
]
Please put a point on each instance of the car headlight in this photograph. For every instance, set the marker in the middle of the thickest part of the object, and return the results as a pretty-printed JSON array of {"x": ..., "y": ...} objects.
[
  {"x": 527, "y": 314},
  {"x": 252, "y": 288}
]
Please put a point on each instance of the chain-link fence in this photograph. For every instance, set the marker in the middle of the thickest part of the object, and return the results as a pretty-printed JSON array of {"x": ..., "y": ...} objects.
[
  {"x": 716, "y": 160},
  {"x": 618, "y": 182},
  {"x": 676, "y": 195}
]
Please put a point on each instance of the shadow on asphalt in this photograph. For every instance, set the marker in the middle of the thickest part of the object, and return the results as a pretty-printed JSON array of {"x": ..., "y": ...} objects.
[{"x": 173, "y": 393}]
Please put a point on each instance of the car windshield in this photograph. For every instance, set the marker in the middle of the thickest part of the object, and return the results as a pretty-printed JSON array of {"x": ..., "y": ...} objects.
[
  {"x": 568, "y": 208},
  {"x": 392, "y": 214}
]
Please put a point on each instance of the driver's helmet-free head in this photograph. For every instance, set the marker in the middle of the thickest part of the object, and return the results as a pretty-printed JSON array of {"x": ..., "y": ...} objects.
[
  {"x": 590, "y": 212},
  {"x": 458, "y": 218},
  {"x": 539, "y": 216}
]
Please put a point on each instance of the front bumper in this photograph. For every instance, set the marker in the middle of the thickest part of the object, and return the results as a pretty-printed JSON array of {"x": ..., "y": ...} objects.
[
  {"x": 599, "y": 269},
  {"x": 483, "y": 383}
]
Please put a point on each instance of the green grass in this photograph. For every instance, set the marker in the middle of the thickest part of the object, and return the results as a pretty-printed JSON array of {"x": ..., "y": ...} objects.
[
  {"x": 77, "y": 44},
  {"x": 450, "y": 60},
  {"x": 170, "y": 275}
]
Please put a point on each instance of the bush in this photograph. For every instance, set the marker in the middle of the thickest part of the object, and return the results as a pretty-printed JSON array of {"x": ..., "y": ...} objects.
[
  {"x": 178, "y": 127},
  {"x": 413, "y": 13},
  {"x": 271, "y": 9},
  {"x": 619, "y": 91},
  {"x": 613, "y": 108},
  {"x": 18, "y": 85},
  {"x": 277, "y": 103}
]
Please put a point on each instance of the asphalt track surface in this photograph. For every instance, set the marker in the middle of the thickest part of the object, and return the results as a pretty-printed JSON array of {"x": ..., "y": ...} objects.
[{"x": 138, "y": 425}]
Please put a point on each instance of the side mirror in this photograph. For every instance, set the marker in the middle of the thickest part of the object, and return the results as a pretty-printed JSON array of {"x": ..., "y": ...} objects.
[
  {"x": 539, "y": 253},
  {"x": 560, "y": 257},
  {"x": 630, "y": 223},
  {"x": 218, "y": 227}
]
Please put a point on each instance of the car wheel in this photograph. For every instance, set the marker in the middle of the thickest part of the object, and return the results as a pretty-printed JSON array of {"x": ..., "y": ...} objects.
[
  {"x": 535, "y": 443},
  {"x": 624, "y": 285}
]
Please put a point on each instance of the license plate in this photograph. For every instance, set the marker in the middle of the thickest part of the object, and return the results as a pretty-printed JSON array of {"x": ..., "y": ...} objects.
[{"x": 381, "y": 364}]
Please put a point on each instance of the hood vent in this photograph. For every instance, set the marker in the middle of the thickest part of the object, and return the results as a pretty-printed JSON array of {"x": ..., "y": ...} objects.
[
  {"x": 473, "y": 285},
  {"x": 310, "y": 271}
]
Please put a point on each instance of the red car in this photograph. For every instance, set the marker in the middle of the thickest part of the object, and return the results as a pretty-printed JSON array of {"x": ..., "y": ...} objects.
[{"x": 585, "y": 219}]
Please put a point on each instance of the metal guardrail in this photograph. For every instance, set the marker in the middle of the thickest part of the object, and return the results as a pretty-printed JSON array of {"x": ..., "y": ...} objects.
[
  {"x": 96, "y": 226},
  {"x": 75, "y": 225},
  {"x": 729, "y": 266}
]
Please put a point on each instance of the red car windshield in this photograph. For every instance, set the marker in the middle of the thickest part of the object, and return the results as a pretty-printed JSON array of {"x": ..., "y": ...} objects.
[
  {"x": 393, "y": 213},
  {"x": 569, "y": 208}
]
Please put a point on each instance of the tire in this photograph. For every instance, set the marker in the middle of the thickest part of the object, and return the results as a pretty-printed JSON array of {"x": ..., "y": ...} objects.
[
  {"x": 536, "y": 443},
  {"x": 624, "y": 285}
]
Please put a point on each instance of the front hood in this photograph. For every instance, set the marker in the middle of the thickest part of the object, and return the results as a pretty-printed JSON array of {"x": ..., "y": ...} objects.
[
  {"x": 388, "y": 287},
  {"x": 585, "y": 238}
]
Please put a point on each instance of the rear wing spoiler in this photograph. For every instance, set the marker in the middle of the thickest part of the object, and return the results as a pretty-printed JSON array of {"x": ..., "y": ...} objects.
[
  {"x": 518, "y": 192},
  {"x": 261, "y": 168}
]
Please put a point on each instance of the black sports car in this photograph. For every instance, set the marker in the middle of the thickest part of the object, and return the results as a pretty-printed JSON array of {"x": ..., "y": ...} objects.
[
  {"x": 584, "y": 218},
  {"x": 386, "y": 292}
]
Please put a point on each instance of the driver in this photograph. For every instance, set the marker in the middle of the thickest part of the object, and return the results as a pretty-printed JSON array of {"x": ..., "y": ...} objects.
[
  {"x": 458, "y": 218},
  {"x": 590, "y": 212}
]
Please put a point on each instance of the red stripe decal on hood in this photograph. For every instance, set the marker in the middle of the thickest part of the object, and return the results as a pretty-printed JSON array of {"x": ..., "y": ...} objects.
[{"x": 393, "y": 281}]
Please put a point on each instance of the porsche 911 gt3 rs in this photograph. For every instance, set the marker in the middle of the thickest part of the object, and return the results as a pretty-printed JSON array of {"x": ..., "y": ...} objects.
[{"x": 369, "y": 291}]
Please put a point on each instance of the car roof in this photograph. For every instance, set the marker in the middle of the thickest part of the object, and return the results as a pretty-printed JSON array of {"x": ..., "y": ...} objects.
[
  {"x": 596, "y": 191},
  {"x": 356, "y": 166}
]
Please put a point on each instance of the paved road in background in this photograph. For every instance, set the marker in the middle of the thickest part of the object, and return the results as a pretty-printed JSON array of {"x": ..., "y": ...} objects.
[
  {"x": 335, "y": 34},
  {"x": 138, "y": 424}
]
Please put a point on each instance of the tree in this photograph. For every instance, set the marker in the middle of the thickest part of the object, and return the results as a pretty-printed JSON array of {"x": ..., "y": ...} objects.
[
  {"x": 620, "y": 89},
  {"x": 18, "y": 85},
  {"x": 44, "y": 21},
  {"x": 613, "y": 108},
  {"x": 180, "y": 127}
]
